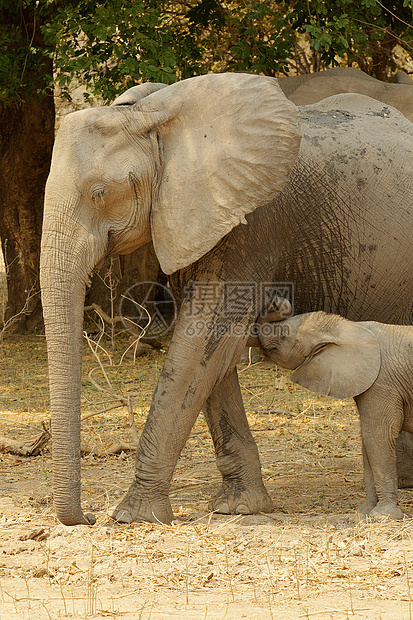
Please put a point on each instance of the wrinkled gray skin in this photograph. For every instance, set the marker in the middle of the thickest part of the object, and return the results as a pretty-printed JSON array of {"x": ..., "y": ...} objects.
[
  {"x": 340, "y": 231},
  {"x": 313, "y": 87},
  {"x": 404, "y": 456},
  {"x": 370, "y": 361}
]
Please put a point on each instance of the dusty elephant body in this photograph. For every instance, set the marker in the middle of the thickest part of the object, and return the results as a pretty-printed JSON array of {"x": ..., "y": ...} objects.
[
  {"x": 120, "y": 175},
  {"x": 313, "y": 87},
  {"x": 401, "y": 77},
  {"x": 372, "y": 362}
]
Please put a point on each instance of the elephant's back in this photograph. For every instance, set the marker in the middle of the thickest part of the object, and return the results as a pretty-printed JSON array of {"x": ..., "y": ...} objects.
[{"x": 346, "y": 215}]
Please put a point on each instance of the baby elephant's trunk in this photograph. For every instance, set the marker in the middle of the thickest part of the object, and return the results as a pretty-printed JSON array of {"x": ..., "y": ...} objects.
[{"x": 278, "y": 309}]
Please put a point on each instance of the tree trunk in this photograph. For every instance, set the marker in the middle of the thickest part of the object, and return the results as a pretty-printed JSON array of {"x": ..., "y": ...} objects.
[
  {"x": 26, "y": 141},
  {"x": 27, "y": 116},
  {"x": 381, "y": 54}
]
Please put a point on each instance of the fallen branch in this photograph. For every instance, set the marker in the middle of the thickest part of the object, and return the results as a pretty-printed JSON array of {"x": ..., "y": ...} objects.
[
  {"x": 116, "y": 448},
  {"x": 33, "y": 448},
  {"x": 133, "y": 327},
  {"x": 22, "y": 448}
]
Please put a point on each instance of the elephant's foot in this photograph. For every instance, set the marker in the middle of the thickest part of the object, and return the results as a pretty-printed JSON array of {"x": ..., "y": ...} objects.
[
  {"x": 235, "y": 498},
  {"x": 383, "y": 508},
  {"x": 135, "y": 508},
  {"x": 366, "y": 507},
  {"x": 387, "y": 509}
]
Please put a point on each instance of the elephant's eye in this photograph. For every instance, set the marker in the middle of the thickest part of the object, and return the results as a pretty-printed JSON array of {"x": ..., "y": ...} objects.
[
  {"x": 320, "y": 347},
  {"x": 98, "y": 193}
]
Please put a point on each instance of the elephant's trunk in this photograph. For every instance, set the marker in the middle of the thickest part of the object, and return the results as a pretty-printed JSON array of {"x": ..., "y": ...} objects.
[
  {"x": 63, "y": 291},
  {"x": 278, "y": 309}
]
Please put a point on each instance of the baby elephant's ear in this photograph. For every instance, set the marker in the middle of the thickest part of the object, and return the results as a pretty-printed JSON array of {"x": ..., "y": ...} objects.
[{"x": 343, "y": 368}]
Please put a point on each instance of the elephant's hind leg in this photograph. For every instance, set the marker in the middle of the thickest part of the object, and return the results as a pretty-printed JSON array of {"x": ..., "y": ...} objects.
[{"x": 242, "y": 490}]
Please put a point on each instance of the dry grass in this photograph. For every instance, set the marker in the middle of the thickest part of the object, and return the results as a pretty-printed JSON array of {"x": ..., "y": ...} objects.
[{"x": 311, "y": 558}]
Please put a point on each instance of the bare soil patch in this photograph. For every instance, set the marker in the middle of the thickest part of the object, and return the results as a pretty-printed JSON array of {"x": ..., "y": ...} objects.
[{"x": 311, "y": 558}]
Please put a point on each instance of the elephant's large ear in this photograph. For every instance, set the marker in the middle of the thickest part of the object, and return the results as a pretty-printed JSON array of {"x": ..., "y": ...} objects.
[
  {"x": 342, "y": 366},
  {"x": 230, "y": 142}
]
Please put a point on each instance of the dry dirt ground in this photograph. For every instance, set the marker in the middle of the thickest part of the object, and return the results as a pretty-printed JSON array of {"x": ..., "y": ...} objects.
[{"x": 310, "y": 558}]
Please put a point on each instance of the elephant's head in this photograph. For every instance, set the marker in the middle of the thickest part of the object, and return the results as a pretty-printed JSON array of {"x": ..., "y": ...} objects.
[
  {"x": 182, "y": 165},
  {"x": 329, "y": 354}
]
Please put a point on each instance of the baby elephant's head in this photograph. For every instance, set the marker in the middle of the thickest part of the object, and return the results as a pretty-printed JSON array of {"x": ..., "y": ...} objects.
[{"x": 329, "y": 354}]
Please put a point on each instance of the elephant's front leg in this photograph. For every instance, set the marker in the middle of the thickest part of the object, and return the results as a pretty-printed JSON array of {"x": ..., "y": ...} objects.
[
  {"x": 197, "y": 361},
  {"x": 242, "y": 490},
  {"x": 182, "y": 387},
  {"x": 380, "y": 426}
]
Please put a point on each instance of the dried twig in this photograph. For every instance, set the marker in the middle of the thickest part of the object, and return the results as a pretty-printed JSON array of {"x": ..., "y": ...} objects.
[
  {"x": 95, "y": 346},
  {"x": 104, "y": 316},
  {"x": 104, "y": 410},
  {"x": 280, "y": 411},
  {"x": 25, "y": 310}
]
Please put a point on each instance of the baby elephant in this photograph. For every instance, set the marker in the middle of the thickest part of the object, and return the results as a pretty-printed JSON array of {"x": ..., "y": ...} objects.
[{"x": 372, "y": 362}]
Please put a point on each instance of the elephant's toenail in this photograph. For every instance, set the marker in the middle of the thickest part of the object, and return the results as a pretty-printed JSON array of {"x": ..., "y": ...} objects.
[
  {"x": 222, "y": 508},
  {"x": 242, "y": 509},
  {"x": 90, "y": 518},
  {"x": 122, "y": 516}
]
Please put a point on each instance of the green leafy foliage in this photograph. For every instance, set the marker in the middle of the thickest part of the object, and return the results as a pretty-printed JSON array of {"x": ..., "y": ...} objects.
[
  {"x": 25, "y": 59},
  {"x": 362, "y": 34},
  {"x": 242, "y": 36},
  {"x": 111, "y": 45},
  {"x": 272, "y": 37}
]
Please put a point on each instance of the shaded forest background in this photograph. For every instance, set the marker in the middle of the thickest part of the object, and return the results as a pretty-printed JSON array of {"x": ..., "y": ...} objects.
[{"x": 55, "y": 54}]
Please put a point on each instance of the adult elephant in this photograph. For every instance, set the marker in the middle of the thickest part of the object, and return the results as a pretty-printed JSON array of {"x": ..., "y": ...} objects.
[
  {"x": 206, "y": 168},
  {"x": 313, "y": 87}
]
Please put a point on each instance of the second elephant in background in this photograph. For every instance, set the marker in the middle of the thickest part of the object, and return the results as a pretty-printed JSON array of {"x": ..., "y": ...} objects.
[
  {"x": 371, "y": 362},
  {"x": 313, "y": 87}
]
